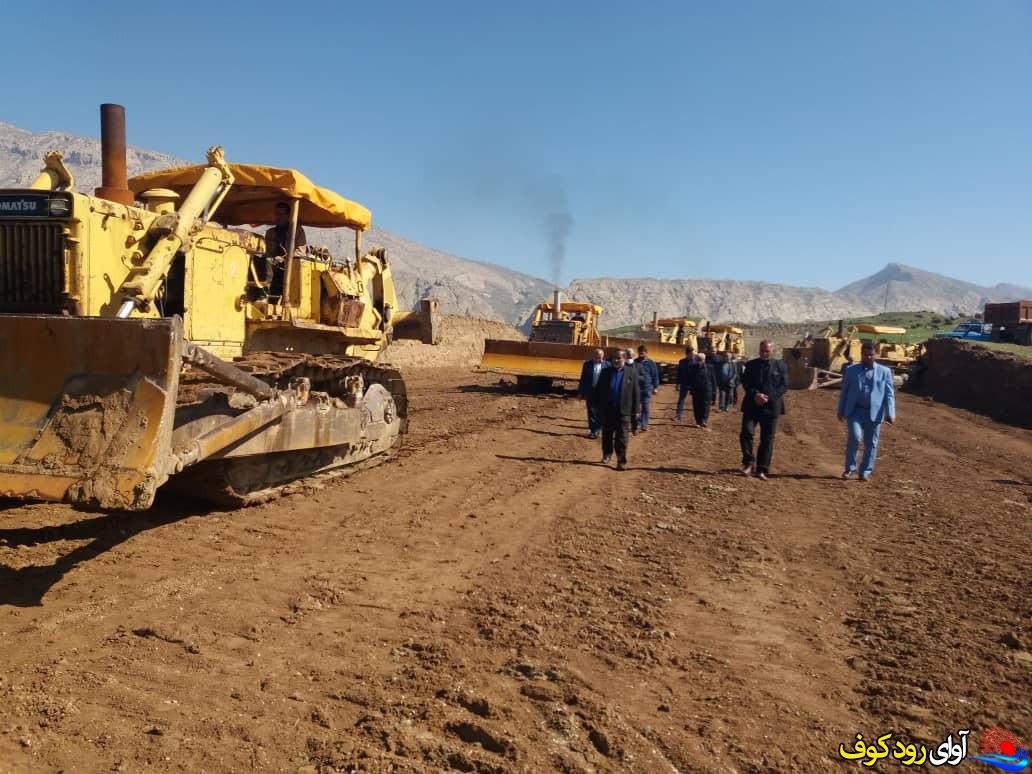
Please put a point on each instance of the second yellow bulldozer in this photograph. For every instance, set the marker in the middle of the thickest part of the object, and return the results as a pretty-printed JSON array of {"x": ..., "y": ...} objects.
[
  {"x": 818, "y": 361},
  {"x": 143, "y": 338}
]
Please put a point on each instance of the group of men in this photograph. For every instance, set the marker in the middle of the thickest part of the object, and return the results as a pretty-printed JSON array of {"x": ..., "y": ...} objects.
[{"x": 618, "y": 395}]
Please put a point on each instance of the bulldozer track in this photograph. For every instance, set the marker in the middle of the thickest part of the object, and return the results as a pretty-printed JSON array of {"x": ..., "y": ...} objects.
[{"x": 260, "y": 478}]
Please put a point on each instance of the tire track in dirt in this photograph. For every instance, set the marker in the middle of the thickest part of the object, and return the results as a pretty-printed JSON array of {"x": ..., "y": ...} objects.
[{"x": 496, "y": 600}]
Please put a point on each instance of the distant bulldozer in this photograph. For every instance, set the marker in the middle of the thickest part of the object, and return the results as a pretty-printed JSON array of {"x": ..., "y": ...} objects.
[
  {"x": 665, "y": 339},
  {"x": 563, "y": 335},
  {"x": 818, "y": 361},
  {"x": 723, "y": 338}
]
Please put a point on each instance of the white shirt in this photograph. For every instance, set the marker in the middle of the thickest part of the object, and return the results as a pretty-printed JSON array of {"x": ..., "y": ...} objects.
[{"x": 595, "y": 373}]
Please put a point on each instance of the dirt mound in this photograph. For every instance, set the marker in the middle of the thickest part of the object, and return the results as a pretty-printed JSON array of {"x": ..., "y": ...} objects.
[
  {"x": 969, "y": 376},
  {"x": 462, "y": 344}
]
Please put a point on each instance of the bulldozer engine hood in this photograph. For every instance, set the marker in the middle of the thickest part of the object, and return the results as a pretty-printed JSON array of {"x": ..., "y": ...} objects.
[{"x": 256, "y": 191}]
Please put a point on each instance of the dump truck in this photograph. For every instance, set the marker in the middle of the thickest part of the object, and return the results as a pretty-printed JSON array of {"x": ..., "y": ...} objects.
[
  {"x": 143, "y": 341},
  {"x": 817, "y": 361},
  {"x": 1010, "y": 321},
  {"x": 563, "y": 334}
]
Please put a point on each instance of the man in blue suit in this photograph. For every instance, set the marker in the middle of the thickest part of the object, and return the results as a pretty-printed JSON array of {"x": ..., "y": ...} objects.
[{"x": 866, "y": 401}]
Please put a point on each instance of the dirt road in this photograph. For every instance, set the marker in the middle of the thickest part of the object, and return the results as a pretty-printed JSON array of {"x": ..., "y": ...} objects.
[{"x": 496, "y": 600}]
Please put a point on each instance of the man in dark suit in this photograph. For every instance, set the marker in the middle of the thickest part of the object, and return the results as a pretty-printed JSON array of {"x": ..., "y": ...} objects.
[
  {"x": 589, "y": 375},
  {"x": 683, "y": 370},
  {"x": 703, "y": 386},
  {"x": 765, "y": 381},
  {"x": 618, "y": 398}
]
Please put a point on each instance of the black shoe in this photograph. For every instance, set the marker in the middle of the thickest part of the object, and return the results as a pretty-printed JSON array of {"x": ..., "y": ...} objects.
[
  {"x": 864, "y": 478},
  {"x": 746, "y": 470},
  {"x": 846, "y": 475},
  {"x": 606, "y": 459},
  {"x": 762, "y": 476},
  {"x": 621, "y": 466},
  {"x": 593, "y": 436}
]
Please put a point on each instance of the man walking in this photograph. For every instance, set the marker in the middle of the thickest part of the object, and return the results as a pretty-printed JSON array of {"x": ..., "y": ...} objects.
[
  {"x": 684, "y": 366},
  {"x": 617, "y": 396},
  {"x": 726, "y": 378},
  {"x": 703, "y": 386},
  {"x": 765, "y": 382},
  {"x": 867, "y": 399},
  {"x": 590, "y": 372},
  {"x": 739, "y": 374},
  {"x": 630, "y": 361},
  {"x": 648, "y": 383}
]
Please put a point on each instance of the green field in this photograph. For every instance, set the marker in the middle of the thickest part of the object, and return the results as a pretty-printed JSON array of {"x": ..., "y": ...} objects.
[{"x": 919, "y": 325}]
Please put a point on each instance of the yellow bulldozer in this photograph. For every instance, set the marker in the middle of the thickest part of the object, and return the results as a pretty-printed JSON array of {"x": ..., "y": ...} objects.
[
  {"x": 563, "y": 334},
  {"x": 140, "y": 341},
  {"x": 723, "y": 338},
  {"x": 818, "y": 361},
  {"x": 666, "y": 339}
]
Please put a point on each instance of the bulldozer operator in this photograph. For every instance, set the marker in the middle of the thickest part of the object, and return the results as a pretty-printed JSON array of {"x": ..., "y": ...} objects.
[{"x": 277, "y": 242}]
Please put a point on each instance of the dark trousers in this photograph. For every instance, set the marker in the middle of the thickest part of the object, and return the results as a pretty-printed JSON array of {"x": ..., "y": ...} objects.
[
  {"x": 594, "y": 420},
  {"x": 616, "y": 430},
  {"x": 681, "y": 395},
  {"x": 768, "y": 423},
  {"x": 725, "y": 398},
  {"x": 701, "y": 407},
  {"x": 646, "y": 407}
]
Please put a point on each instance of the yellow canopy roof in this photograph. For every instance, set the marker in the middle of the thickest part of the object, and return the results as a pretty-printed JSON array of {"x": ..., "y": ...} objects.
[
  {"x": 572, "y": 306},
  {"x": 256, "y": 191},
  {"x": 721, "y": 328},
  {"x": 882, "y": 329},
  {"x": 668, "y": 323}
]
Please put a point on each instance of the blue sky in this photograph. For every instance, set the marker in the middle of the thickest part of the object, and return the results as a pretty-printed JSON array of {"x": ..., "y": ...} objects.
[{"x": 801, "y": 142}]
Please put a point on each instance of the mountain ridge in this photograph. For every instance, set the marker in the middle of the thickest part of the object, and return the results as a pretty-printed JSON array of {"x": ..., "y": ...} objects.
[{"x": 481, "y": 289}]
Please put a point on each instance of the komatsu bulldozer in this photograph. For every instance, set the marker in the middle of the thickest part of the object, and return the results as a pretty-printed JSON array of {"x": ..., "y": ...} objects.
[
  {"x": 817, "y": 361},
  {"x": 666, "y": 339},
  {"x": 723, "y": 338},
  {"x": 563, "y": 334},
  {"x": 144, "y": 338}
]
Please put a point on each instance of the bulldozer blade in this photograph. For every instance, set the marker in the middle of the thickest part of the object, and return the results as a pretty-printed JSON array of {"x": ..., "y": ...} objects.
[
  {"x": 86, "y": 408},
  {"x": 660, "y": 351},
  {"x": 538, "y": 359}
]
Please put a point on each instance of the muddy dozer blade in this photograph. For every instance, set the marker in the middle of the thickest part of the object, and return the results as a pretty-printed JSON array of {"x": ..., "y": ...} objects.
[
  {"x": 539, "y": 359},
  {"x": 86, "y": 408},
  {"x": 801, "y": 376}
]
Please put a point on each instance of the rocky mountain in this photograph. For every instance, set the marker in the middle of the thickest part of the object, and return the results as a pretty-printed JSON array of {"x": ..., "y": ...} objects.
[
  {"x": 900, "y": 288},
  {"x": 467, "y": 287},
  {"x": 631, "y": 301},
  {"x": 21, "y": 153}
]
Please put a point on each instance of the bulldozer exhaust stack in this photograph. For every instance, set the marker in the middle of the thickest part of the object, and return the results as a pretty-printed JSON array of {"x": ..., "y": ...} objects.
[{"x": 114, "y": 178}]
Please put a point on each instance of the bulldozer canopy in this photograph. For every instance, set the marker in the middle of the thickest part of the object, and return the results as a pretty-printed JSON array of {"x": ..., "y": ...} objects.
[
  {"x": 256, "y": 191},
  {"x": 572, "y": 306},
  {"x": 880, "y": 329},
  {"x": 724, "y": 329}
]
